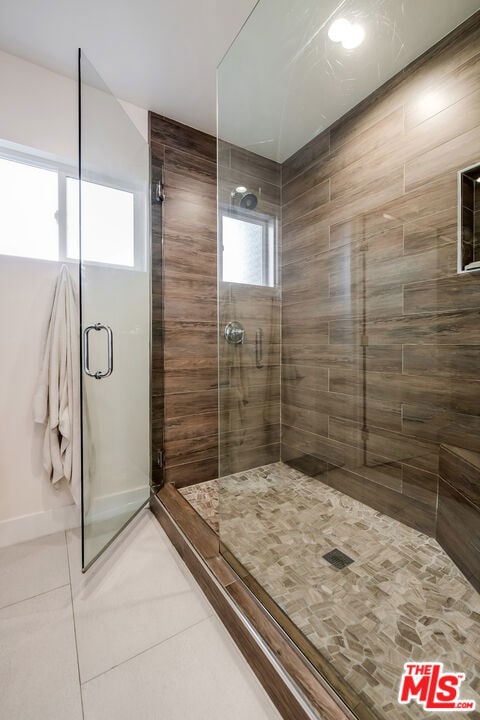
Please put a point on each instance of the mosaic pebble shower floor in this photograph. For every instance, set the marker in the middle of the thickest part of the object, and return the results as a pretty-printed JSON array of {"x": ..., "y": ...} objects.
[{"x": 402, "y": 599}]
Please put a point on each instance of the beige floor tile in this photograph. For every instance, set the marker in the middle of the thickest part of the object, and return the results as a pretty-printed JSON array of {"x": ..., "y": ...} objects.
[
  {"x": 32, "y": 568},
  {"x": 137, "y": 596},
  {"x": 38, "y": 665},
  {"x": 196, "y": 675}
]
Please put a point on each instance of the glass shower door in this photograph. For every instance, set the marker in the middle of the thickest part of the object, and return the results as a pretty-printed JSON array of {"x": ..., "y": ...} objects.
[{"x": 115, "y": 313}]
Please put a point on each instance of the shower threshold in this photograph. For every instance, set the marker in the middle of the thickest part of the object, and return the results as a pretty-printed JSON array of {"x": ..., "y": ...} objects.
[
  {"x": 294, "y": 685},
  {"x": 400, "y": 598}
]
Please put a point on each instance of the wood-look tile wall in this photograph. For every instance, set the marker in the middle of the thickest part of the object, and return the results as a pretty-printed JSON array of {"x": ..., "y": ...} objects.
[
  {"x": 184, "y": 280},
  {"x": 458, "y": 522},
  {"x": 381, "y": 337},
  {"x": 249, "y": 396}
]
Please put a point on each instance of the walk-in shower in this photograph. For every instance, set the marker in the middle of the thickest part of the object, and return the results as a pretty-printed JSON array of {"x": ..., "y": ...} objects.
[{"x": 349, "y": 490}]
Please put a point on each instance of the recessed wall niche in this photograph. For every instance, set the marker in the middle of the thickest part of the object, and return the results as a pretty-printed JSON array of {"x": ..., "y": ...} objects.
[{"x": 469, "y": 219}]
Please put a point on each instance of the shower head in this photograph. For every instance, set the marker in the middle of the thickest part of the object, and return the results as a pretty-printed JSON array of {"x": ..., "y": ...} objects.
[
  {"x": 244, "y": 198},
  {"x": 249, "y": 201}
]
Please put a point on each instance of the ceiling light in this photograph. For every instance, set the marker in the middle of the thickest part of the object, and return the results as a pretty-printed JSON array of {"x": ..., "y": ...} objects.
[
  {"x": 354, "y": 37},
  {"x": 241, "y": 189},
  {"x": 338, "y": 29},
  {"x": 350, "y": 35}
]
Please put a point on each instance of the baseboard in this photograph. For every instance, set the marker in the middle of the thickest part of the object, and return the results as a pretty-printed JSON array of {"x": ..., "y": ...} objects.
[
  {"x": 29, "y": 527},
  {"x": 109, "y": 506}
]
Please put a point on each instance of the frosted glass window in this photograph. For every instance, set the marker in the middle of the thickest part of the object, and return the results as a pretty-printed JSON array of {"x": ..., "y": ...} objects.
[
  {"x": 28, "y": 211},
  {"x": 246, "y": 252},
  {"x": 108, "y": 232}
]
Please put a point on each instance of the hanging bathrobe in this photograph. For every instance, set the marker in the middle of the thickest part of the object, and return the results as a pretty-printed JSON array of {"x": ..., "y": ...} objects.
[{"x": 57, "y": 400}]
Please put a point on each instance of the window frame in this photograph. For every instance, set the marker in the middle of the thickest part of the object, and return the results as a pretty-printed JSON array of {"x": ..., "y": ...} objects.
[
  {"x": 64, "y": 172},
  {"x": 268, "y": 223}
]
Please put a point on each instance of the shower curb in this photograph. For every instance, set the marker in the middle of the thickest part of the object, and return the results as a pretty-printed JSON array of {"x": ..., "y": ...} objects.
[{"x": 296, "y": 689}]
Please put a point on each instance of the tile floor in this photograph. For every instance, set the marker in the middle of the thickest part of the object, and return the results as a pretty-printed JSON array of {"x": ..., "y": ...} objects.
[
  {"x": 204, "y": 497},
  {"x": 133, "y": 638},
  {"x": 402, "y": 599}
]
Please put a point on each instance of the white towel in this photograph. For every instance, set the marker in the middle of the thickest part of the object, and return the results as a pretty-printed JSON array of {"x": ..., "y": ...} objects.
[{"x": 57, "y": 400}]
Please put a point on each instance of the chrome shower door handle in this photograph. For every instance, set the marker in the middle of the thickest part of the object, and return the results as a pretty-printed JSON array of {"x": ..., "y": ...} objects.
[{"x": 98, "y": 374}]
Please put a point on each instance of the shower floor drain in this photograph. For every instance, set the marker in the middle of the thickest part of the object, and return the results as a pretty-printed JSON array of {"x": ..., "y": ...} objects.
[{"x": 338, "y": 559}]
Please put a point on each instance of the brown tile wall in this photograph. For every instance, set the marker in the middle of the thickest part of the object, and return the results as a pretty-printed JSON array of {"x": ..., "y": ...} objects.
[
  {"x": 458, "y": 523},
  {"x": 249, "y": 396},
  {"x": 381, "y": 337},
  {"x": 184, "y": 276}
]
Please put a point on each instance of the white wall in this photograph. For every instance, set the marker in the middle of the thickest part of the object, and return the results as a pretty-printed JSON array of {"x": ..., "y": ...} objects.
[
  {"x": 26, "y": 294},
  {"x": 38, "y": 111},
  {"x": 39, "y": 108}
]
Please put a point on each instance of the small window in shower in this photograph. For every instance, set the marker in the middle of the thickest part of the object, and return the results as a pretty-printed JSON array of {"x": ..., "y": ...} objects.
[{"x": 248, "y": 248}]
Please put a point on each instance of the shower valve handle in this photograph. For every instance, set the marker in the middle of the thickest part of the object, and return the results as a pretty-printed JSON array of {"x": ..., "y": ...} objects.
[{"x": 234, "y": 333}]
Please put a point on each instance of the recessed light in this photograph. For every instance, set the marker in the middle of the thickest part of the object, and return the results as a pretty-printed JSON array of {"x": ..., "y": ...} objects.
[
  {"x": 354, "y": 37},
  {"x": 349, "y": 34},
  {"x": 338, "y": 29}
]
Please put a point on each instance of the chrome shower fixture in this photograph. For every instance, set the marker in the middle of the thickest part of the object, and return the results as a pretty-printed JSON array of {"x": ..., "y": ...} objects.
[
  {"x": 234, "y": 333},
  {"x": 244, "y": 198}
]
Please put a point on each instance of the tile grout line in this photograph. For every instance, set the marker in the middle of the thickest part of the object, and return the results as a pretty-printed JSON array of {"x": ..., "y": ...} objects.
[
  {"x": 152, "y": 647},
  {"x": 74, "y": 626},
  {"x": 32, "y": 597}
]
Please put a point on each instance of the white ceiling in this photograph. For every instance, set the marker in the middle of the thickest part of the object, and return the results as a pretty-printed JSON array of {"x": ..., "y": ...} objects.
[
  {"x": 159, "y": 54},
  {"x": 284, "y": 81}
]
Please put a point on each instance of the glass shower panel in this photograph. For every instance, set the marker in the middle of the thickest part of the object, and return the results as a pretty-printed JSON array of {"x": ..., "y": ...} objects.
[
  {"x": 115, "y": 312},
  {"x": 249, "y": 309},
  {"x": 362, "y": 532}
]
